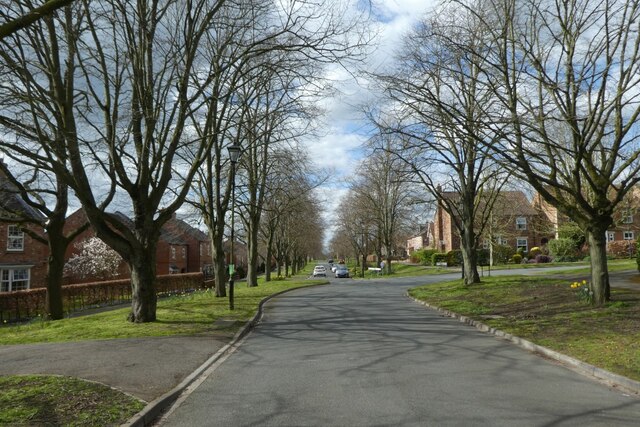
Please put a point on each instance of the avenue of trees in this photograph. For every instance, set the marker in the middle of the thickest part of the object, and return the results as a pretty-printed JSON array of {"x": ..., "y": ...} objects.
[
  {"x": 546, "y": 91},
  {"x": 129, "y": 106}
]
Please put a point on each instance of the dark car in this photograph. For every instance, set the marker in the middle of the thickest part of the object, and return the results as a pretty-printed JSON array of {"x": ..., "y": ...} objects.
[{"x": 342, "y": 271}]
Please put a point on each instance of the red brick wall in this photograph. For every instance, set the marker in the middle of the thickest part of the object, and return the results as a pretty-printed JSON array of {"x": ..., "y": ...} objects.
[{"x": 34, "y": 253}]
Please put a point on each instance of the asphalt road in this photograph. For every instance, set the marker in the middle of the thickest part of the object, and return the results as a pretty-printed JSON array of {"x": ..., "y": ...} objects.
[{"x": 358, "y": 353}]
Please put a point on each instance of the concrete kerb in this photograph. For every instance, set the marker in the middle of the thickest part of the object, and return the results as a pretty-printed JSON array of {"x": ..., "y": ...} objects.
[
  {"x": 154, "y": 408},
  {"x": 579, "y": 366}
]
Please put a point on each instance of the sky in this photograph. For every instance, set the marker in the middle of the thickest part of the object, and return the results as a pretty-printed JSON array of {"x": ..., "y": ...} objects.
[{"x": 339, "y": 150}]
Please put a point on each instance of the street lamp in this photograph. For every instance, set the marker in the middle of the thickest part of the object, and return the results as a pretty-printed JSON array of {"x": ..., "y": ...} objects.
[{"x": 234, "y": 153}]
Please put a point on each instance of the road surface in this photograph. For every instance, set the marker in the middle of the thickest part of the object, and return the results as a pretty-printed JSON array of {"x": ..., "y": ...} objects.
[{"x": 360, "y": 353}]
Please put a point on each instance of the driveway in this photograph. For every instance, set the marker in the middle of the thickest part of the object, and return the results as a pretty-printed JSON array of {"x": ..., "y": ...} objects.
[{"x": 359, "y": 353}]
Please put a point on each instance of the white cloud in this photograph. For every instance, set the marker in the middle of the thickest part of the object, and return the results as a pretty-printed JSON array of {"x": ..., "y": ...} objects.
[{"x": 341, "y": 148}]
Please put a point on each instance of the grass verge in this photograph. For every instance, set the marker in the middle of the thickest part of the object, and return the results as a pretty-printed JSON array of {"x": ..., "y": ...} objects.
[
  {"x": 186, "y": 314},
  {"x": 53, "y": 400},
  {"x": 548, "y": 312}
]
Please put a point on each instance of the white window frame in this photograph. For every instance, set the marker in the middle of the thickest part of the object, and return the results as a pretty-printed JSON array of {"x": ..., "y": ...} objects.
[
  {"x": 8, "y": 278},
  {"x": 627, "y": 219},
  {"x": 627, "y": 235},
  {"x": 15, "y": 239},
  {"x": 526, "y": 243},
  {"x": 521, "y": 223},
  {"x": 611, "y": 236},
  {"x": 173, "y": 252}
]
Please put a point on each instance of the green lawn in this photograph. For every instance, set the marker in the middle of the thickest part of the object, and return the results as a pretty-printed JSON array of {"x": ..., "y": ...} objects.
[
  {"x": 547, "y": 311},
  {"x": 190, "y": 313}
]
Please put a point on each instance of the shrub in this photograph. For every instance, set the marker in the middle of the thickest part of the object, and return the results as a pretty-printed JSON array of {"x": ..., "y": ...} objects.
[
  {"x": 438, "y": 257},
  {"x": 517, "y": 258},
  {"x": 542, "y": 259},
  {"x": 454, "y": 257},
  {"x": 534, "y": 252},
  {"x": 502, "y": 254},
  {"x": 424, "y": 256},
  {"x": 621, "y": 249},
  {"x": 572, "y": 232},
  {"x": 564, "y": 250}
]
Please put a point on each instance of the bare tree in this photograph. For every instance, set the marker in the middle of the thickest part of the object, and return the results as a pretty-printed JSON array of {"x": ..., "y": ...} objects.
[
  {"x": 566, "y": 74},
  {"x": 22, "y": 16},
  {"x": 383, "y": 186},
  {"x": 36, "y": 97},
  {"x": 438, "y": 122},
  {"x": 119, "y": 74}
]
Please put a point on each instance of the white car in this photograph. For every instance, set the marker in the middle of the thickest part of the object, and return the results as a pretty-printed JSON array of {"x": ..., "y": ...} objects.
[{"x": 319, "y": 270}]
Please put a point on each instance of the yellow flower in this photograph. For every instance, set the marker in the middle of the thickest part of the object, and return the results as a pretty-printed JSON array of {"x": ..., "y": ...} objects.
[{"x": 584, "y": 282}]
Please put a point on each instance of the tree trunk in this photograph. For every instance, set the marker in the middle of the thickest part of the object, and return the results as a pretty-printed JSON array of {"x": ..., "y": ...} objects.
[
  {"x": 143, "y": 289},
  {"x": 599, "y": 271},
  {"x": 252, "y": 256},
  {"x": 267, "y": 265},
  {"x": 219, "y": 267},
  {"x": 469, "y": 257},
  {"x": 55, "y": 270}
]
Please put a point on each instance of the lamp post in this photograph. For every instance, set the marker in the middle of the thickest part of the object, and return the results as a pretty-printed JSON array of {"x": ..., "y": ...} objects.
[{"x": 234, "y": 153}]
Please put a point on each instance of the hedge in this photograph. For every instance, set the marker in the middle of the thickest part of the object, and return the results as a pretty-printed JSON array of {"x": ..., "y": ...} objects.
[{"x": 24, "y": 305}]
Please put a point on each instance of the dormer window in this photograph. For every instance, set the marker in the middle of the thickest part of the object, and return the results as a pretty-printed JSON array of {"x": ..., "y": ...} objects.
[
  {"x": 521, "y": 223},
  {"x": 15, "y": 238},
  {"x": 627, "y": 219}
]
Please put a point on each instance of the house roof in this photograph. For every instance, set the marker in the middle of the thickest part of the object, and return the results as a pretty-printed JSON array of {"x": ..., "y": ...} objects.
[
  {"x": 508, "y": 203},
  {"x": 12, "y": 205},
  {"x": 514, "y": 203}
]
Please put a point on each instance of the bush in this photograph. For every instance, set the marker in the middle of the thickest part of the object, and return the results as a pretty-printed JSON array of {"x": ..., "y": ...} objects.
[
  {"x": 572, "y": 232},
  {"x": 517, "y": 258},
  {"x": 564, "y": 250},
  {"x": 534, "y": 252},
  {"x": 621, "y": 249},
  {"x": 424, "y": 256},
  {"x": 454, "y": 257},
  {"x": 438, "y": 257},
  {"x": 542, "y": 259},
  {"x": 502, "y": 254}
]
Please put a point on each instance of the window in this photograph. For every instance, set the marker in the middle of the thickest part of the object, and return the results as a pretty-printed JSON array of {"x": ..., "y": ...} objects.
[
  {"x": 14, "y": 279},
  {"x": 522, "y": 243},
  {"x": 501, "y": 241},
  {"x": 611, "y": 236},
  {"x": 173, "y": 252},
  {"x": 15, "y": 238},
  {"x": 184, "y": 252},
  {"x": 521, "y": 223},
  {"x": 628, "y": 235},
  {"x": 627, "y": 219}
]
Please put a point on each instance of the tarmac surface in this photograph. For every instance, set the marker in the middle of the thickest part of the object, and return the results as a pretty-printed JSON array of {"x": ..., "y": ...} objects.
[{"x": 146, "y": 368}]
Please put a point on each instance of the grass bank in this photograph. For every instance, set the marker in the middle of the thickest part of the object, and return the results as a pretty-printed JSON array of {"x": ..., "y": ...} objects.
[
  {"x": 187, "y": 314},
  {"x": 39, "y": 400},
  {"x": 548, "y": 312}
]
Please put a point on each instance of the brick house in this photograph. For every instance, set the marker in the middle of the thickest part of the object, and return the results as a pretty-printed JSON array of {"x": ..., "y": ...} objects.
[
  {"x": 23, "y": 259},
  {"x": 423, "y": 239},
  {"x": 514, "y": 222},
  {"x": 626, "y": 226},
  {"x": 181, "y": 247}
]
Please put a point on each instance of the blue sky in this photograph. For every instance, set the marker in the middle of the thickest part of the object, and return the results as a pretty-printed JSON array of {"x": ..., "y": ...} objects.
[{"x": 340, "y": 148}]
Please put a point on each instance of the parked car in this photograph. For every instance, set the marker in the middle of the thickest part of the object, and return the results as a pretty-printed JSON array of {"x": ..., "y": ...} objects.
[
  {"x": 342, "y": 271},
  {"x": 334, "y": 267},
  {"x": 319, "y": 270}
]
